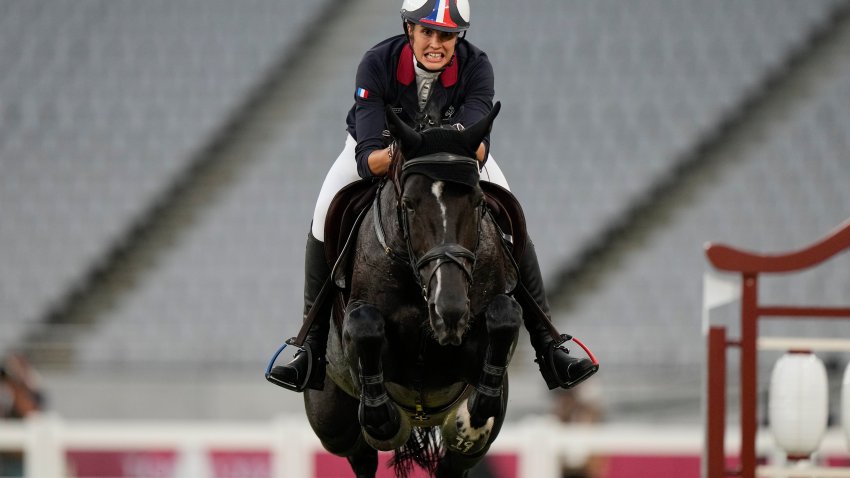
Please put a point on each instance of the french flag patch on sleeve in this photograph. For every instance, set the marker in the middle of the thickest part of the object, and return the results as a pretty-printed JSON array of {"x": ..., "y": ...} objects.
[{"x": 362, "y": 93}]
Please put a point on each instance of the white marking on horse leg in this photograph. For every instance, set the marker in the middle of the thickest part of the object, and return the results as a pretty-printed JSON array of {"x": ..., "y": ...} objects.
[{"x": 464, "y": 425}]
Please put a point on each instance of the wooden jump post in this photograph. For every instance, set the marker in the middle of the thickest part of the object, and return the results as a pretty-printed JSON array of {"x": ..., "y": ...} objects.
[{"x": 750, "y": 265}]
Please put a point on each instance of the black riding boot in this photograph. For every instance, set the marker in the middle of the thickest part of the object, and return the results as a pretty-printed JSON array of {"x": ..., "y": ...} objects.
[
  {"x": 556, "y": 365},
  {"x": 311, "y": 360}
]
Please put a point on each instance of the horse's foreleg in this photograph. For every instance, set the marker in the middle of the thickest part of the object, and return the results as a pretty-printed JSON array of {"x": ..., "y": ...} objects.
[
  {"x": 504, "y": 319},
  {"x": 469, "y": 431},
  {"x": 364, "y": 339},
  {"x": 464, "y": 449}
]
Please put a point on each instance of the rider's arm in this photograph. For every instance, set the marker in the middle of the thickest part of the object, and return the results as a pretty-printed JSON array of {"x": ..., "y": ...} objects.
[
  {"x": 379, "y": 162},
  {"x": 481, "y": 153},
  {"x": 370, "y": 117}
]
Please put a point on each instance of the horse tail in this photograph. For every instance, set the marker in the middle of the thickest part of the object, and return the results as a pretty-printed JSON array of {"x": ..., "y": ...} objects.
[{"x": 423, "y": 448}]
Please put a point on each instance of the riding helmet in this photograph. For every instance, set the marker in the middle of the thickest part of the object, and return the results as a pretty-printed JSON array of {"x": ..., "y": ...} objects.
[{"x": 443, "y": 15}]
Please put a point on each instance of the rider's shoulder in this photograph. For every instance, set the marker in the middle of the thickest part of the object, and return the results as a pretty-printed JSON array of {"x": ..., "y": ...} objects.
[
  {"x": 471, "y": 52},
  {"x": 384, "y": 54}
]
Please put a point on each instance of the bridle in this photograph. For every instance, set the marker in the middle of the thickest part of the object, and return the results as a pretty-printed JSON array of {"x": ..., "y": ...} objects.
[{"x": 444, "y": 253}]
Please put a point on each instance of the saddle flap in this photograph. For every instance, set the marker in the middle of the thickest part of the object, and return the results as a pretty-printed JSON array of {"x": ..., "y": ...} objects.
[
  {"x": 343, "y": 215},
  {"x": 508, "y": 214}
]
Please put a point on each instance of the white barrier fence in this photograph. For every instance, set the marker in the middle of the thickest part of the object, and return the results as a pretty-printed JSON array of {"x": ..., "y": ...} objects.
[{"x": 541, "y": 445}]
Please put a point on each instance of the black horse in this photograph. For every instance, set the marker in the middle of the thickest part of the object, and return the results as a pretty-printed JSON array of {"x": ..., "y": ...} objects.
[{"x": 429, "y": 328}]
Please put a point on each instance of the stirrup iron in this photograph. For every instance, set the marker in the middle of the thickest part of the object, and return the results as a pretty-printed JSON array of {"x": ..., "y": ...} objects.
[
  {"x": 295, "y": 387},
  {"x": 547, "y": 363}
]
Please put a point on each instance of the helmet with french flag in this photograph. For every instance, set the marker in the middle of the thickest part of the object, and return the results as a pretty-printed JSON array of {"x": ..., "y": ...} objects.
[{"x": 442, "y": 15}]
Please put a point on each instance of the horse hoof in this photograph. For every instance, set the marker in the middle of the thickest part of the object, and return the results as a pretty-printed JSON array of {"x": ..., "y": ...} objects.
[
  {"x": 382, "y": 428},
  {"x": 390, "y": 433}
]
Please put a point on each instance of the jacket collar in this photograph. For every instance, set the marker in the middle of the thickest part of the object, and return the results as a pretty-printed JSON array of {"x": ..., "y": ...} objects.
[{"x": 405, "y": 73}]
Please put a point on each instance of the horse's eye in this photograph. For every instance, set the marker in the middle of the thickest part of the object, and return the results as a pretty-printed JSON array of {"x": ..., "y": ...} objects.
[
  {"x": 478, "y": 200},
  {"x": 407, "y": 204}
]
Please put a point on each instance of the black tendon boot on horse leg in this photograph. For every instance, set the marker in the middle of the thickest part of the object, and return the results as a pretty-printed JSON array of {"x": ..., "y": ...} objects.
[
  {"x": 364, "y": 338},
  {"x": 470, "y": 430},
  {"x": 556, "y": 365},
  {"x": 503, "y": 321},
  {"x": 307, "y": 369}
]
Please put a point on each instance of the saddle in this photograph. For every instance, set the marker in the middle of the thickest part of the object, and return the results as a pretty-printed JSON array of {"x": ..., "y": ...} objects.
[
  {"x": 345, "y": 214},
  {"x": 351, "y": 204},
  {"x": 507, "y": 213}
]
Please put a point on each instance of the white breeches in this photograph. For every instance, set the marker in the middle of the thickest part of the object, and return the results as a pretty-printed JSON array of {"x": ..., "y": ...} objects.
[{"x": 344, "y": 172}]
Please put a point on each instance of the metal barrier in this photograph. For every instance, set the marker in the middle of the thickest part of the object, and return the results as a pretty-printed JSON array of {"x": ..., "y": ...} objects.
[{"x": 750, "y": 265}]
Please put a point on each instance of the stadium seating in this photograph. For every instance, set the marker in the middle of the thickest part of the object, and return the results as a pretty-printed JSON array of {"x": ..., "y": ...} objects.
[
  {"x": 103, "y": 105},
  {"x": 111, "y": 101}
]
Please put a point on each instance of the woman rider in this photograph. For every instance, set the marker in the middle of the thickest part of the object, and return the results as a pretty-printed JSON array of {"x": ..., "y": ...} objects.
[{"x": 431, "y": 76}]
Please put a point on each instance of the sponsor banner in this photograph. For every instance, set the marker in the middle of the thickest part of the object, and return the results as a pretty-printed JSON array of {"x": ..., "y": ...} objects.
[
  {"x": 241, "y": 464},
  {"x": 121, "y": 464},
  {"x": 166, "y": 464}
]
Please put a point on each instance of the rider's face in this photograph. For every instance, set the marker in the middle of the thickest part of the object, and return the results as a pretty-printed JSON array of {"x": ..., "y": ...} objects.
[{"x": 432, "y": 48}]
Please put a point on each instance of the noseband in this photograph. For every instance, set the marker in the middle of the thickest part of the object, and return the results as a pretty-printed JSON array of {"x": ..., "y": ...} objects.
[{"x": 439, "y": 167}]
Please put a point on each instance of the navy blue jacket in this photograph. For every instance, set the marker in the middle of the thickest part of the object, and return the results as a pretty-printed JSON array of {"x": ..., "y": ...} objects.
[{"x": 463, "y": 94}]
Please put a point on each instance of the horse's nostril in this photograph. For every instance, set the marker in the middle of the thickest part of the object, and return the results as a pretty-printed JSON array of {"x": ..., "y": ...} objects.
[
  {"x": 449, "y": 327},
  {"x": 451, "y": 313},
  {"x": 438, "y": 323}
]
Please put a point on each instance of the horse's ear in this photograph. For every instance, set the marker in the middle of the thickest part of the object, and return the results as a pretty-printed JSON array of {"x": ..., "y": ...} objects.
[
  {"x": 406, "y": 135},
  {"x": 476, "y": 133}
]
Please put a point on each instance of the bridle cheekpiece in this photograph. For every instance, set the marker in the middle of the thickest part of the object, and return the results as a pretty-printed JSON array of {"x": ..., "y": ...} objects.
[{"x": 439, "y": 167}]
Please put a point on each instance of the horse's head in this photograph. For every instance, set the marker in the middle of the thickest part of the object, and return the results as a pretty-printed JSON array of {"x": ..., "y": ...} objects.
[{"x": 440, "y": 209}]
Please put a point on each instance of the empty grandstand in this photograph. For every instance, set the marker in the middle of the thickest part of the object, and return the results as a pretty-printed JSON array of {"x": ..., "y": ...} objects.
[{"x": 160, "y": 161}]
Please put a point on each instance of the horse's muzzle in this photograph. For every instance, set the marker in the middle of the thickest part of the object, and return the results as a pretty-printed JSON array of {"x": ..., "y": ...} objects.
[
  {"x": 449, "y": 321},
  {"x": 446, "y": 287}
]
